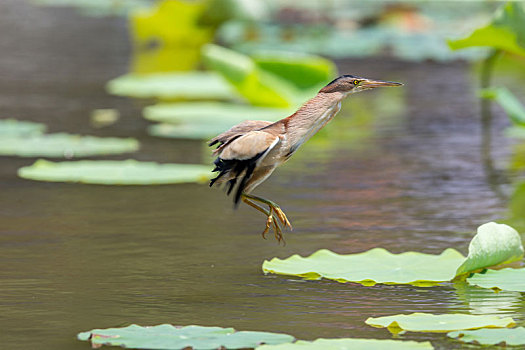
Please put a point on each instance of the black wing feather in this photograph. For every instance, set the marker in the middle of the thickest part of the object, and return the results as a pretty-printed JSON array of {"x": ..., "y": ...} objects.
[{"x": 236, "y": 167}]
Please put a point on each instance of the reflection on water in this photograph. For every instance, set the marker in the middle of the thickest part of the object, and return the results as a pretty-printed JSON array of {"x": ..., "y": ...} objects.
[
  {"x": 482, "y": 301},
  {"x": 77, "y": 257}
]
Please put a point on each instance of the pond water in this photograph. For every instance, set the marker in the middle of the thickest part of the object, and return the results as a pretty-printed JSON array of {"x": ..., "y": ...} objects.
[{"x": 403, "y": 175}]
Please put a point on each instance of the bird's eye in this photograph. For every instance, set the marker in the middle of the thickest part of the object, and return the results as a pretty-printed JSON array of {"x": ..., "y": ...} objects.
[{"x": 356, "y": 82}]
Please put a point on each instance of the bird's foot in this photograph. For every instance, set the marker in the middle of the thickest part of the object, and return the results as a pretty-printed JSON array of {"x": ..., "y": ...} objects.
[
  {"x": 278, "y": 233},
  {"x": 271, "y": 221}
]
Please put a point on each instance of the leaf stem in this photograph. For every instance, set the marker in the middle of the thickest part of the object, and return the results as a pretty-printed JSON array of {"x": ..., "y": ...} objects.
[{"x": 493, "y": 176}]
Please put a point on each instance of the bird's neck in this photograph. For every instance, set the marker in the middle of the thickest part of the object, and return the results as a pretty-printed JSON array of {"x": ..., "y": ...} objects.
[{"x": 312, "y": 117}]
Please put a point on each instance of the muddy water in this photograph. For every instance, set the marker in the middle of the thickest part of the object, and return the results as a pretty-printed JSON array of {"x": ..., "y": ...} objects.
[{"x": 404, "y": 175}]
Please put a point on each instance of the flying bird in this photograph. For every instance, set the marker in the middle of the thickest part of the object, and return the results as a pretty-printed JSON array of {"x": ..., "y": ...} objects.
[{"x": 249, "y": 152}]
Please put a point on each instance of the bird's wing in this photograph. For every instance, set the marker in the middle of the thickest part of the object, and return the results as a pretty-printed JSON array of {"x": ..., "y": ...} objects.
[
  {"x": 250, "y": 145},
  {"x": 240, "y": 157},
  {"x": 237, "y": 131}
]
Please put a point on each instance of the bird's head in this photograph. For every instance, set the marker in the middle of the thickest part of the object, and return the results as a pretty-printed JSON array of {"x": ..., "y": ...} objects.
[{"x": 348, "y": 84}]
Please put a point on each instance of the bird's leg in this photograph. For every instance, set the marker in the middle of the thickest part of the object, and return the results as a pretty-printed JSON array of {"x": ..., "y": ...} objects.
[
  {"x": 269, "y": 221},
  {"x": 272, "y": 205}
]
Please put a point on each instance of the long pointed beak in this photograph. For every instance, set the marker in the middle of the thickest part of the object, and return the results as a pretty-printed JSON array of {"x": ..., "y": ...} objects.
[{"x": 369, "y": 83}]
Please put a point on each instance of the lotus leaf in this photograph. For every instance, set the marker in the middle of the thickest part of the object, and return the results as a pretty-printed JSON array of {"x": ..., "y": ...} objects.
[
  {"x": 350, "y": 343},
  {"x": 516, "y": 132},
  {"x": 65, "y": 146},
  {"x": 227, "y": 114},
  {"x": 168, "y": 337},
  {"x": 105, "y": 172},
  {"x": 186, "y": 131},
  {"x": 506, "y": 31},
  {"x": 101, "y": 118},
  {"x": 494, "y": 244},
  {"x": 188, "y": 85},
  {"x": 224, "y": 11},
  {"x": 357, "y": 42},
  {"x": 506, "y": 279},
  {"x": 512, "y": 336},
  {"x": 162, "y": 46},
  {"x": 373, "y": 266},
  {"x": 508, "y": 102},
  {"x": 422, "y": 322},
  {"x": 13, "y": 127},
  {"x": 304, "y": 71},
  {"x": 259, "y": 87}
]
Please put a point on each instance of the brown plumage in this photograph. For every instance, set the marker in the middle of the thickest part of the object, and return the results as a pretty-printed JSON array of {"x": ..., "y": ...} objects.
[{"x": 249, "y": 152}]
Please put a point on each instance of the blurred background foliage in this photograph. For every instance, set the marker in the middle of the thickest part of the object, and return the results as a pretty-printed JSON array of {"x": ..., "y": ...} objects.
[{"x": 208, "y": 64}]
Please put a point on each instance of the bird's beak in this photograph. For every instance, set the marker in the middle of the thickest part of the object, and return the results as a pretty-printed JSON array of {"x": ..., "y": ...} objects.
[{"x": 370, "y": 84}]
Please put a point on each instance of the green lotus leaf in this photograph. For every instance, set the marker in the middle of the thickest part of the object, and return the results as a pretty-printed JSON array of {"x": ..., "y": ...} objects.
[
  {"x": 259, "y": 87},
  {"x": 505, "y": 279},
  {"x": 494, "y": 244},
  {"x": 516, "y": 131},
  {"x": 121, "y": 172},
  {"x": 187, "y": 131},
  {"x": 101, "y": 118},
  {"x": 422, "y": 322},
  {"x": 13, "y": 127},
  {"x": 187, "y": 85},
  {"x": 499, "y": 38},
  {"x": 510, "y": 337},
  {"x": 303, "y": 70},
  {"x": 506, "y": 31},
  {"x": 168, "y": 337},
  {"x": 350, "y": 343},
  {"x": 227, "y": 114},
  {"x": 512, "y": 106},
  {"x": 65, "y": 146},
  {"x": 373, "y": 266}
]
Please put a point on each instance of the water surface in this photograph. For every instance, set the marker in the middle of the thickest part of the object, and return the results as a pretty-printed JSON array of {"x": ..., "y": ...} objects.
[{"x": 403, "y": 175}]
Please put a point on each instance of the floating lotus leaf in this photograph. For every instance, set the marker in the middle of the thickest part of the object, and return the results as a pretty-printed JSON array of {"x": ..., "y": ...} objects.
[
  {"x": 259, "y": 87},
  {"x": 506, "y": 31},
  {"x": 188, "y": 85},
  {"x": 101, "y": 118},
  {"x": 506, "y": 279},
  {"x": 187, "y": 131},
  {"x": 374, "y": 266},
  {"x": 227, "y": 114},
  {"x": 13, "y": 127},
  {"x": 493, "y": 244},
  {"x": 65, "y": 146},
  {"x": 122, "y": 172},
  {"x": 168, "y": 337},
  {"x": 510, "y": 337},
  {"x": 422, "y": 322},
  {"x": 508, "y": 102},
  {"x": 368, "y": 41},
  {"x": 350, "y": 343},
  {"x": 304, "y": 71}
]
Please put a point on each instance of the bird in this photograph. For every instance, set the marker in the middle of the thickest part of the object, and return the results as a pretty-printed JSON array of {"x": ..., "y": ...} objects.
[{"x": 249, "y": 152}]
